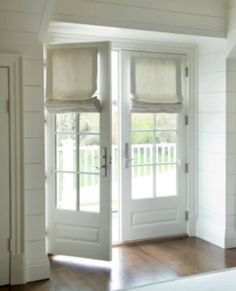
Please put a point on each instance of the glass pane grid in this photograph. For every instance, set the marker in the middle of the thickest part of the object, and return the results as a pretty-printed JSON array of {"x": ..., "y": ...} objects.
[
  {"x": 77, "y": 166},
  {"x": 154, "y": 140}
]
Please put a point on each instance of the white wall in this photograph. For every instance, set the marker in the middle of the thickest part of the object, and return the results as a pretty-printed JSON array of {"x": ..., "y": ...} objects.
[
  {"x": 212, "y": 145},
  {"x": 231, "y": 128},
  {"x": 34, "y": 174},
  {"x": 202, "y": 17},
  {"x": 20, "y": 23},
  {"x": 193, "y": 17},
  {"x": 231, "y": 155}
]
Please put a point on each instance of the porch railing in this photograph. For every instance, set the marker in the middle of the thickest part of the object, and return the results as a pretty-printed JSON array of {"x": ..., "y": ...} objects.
[{"x": 142, "y": 157}]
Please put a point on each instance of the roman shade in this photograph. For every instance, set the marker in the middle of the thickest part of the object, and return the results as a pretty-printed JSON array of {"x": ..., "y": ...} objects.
[
  {"x": 72, "y": 80},
  {"x": 156, "y": 84}
]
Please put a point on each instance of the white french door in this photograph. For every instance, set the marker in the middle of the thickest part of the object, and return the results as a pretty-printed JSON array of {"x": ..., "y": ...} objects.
[
  {"x": 4, "y": 178},
  {"x": 79, "y": 177},
  {"x": 153, "y": 198}
]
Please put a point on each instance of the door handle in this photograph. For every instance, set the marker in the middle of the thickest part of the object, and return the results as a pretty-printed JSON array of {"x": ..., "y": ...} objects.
[
  {"x": 103, "y": 167},
  {"x": 127, "y": 155}
]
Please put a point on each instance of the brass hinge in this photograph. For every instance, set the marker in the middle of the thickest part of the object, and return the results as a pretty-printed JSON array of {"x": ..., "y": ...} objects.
[
  {"x": 186, "y": 72},
  {"x": 186, "y": 168},
  {"x": 186, "y": 215},
  {"x": 186, "y": 119}
]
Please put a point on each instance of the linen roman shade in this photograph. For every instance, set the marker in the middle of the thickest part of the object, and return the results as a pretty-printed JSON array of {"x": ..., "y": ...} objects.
[
  {"x": 72, "y": 80},
  {"x": 156, "y": 84}
]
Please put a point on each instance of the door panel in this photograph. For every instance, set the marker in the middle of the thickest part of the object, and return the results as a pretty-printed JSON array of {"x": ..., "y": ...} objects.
[
  {"x": 4, "y": 179},
  {"x": 79, "y": 184},
  {"x": 153, "y": 154}
]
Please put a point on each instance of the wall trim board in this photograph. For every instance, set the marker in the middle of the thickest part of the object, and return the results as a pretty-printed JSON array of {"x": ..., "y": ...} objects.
[
  {"x": 17, "y": 269},
  {"x": 38, "y": 271},
  {"x": 211, "y": 232},
  {"x": 45, "y": 19},
  {"x": 12, "y": 61},
  {"x": 230, "y": 239},
  {"x": 149, "y": 15}
]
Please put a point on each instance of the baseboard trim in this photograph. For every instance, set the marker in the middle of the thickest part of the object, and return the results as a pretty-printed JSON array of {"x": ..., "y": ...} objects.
[
  {"x": 152, "y": 240},
  {"x": 211, "y": 233},
  {"x": 38, "y": 271},
  {"x": 230, "y": 239},
  {"x": 17, "y": 269}
]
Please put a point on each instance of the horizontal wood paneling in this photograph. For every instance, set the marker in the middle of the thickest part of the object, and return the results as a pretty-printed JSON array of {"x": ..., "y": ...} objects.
[
  {"x": 33, "y": 125},
  {"x": 35, "y": 201},
  {"x": 28, "y": 6},
  {"x": 182, "y": 17},
  {"x": 33, "y": 98},
  {"x": 12, "y": 21},
  {"x": 213, "y": 8},
  {"x": 212, "y": 146},
  {"x": 33, "y": 72},
  {"x": 34, "y": 150},
  {"x": 35, "y": 228},
  {"x": 34, "y": 176}
]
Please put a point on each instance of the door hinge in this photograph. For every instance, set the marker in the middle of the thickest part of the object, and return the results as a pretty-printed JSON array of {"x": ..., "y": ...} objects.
[
  {"x": 186, "y": 215},
  {"x": 9, "y": 245},
  {"x": 8, "y": 106},
  {"x": 186, "y": 71},
  {"x": 186, "y": 168},
  {"x": 186, "y": 119}
]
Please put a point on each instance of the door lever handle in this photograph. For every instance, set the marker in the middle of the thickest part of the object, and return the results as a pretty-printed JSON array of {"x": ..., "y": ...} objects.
[
  {"x": 103, "y": 167},
  {"x": 127, "y": 155}
]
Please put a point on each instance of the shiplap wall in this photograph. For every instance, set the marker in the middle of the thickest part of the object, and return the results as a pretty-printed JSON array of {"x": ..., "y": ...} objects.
[
  {"x": 231, "y": 127},
  {"x": 20, "y": 23},
  {"x": 34, "y": 175},
  {"x": 231, "y": 154},
  {"x": 212, "y": 146},
  {"x": 202, "y": 17}
]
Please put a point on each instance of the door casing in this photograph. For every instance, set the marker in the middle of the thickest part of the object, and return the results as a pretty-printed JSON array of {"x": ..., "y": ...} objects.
[{"x": 16, "y": 240}]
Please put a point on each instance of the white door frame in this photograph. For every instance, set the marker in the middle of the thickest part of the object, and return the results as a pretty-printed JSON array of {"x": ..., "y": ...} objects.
[
  {"x": 190, "y": 51},
  {"x": 16, "y": 243}
]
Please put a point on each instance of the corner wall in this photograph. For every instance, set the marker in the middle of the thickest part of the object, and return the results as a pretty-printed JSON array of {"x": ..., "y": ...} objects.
[
  {"x": 231, "y": 128},
  {"x": 34, "y": 169},
  {"x": 36, "y": 261},
  {"x": 212, "y": 146},
  {"x": 231, "y": 155}
]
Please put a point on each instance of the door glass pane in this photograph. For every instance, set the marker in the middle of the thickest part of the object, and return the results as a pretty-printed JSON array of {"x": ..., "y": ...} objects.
[
  {"x": 89, "y": 192},
  {"x": 166, "y": 121},
  {"x": 142, "y": 182},
  {"x": 89, "y": 122},
  {"x": 142, "y": 148},
  {"x": 66, "y": 191},
  {"x": 142, "y": 121},
  {"x": 66, "y": 152},
  {"x": 89, "y": 153},
  {"x": 166, "y": 147},
  {"x": 66, "y": 122},
  {"x": 166, "y": 180}
]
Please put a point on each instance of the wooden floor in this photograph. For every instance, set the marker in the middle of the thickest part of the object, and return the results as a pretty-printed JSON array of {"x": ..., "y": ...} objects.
[{"x": 136, "y": 265}]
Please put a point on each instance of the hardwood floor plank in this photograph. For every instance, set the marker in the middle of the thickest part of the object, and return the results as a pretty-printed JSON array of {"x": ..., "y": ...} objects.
[{"x": 135, "y": 265}]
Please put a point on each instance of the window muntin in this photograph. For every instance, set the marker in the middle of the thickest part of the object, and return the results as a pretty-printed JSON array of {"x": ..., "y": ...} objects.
[
  {"x": 154, "y": 155},
  {"x": 77, "y": 166}
]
